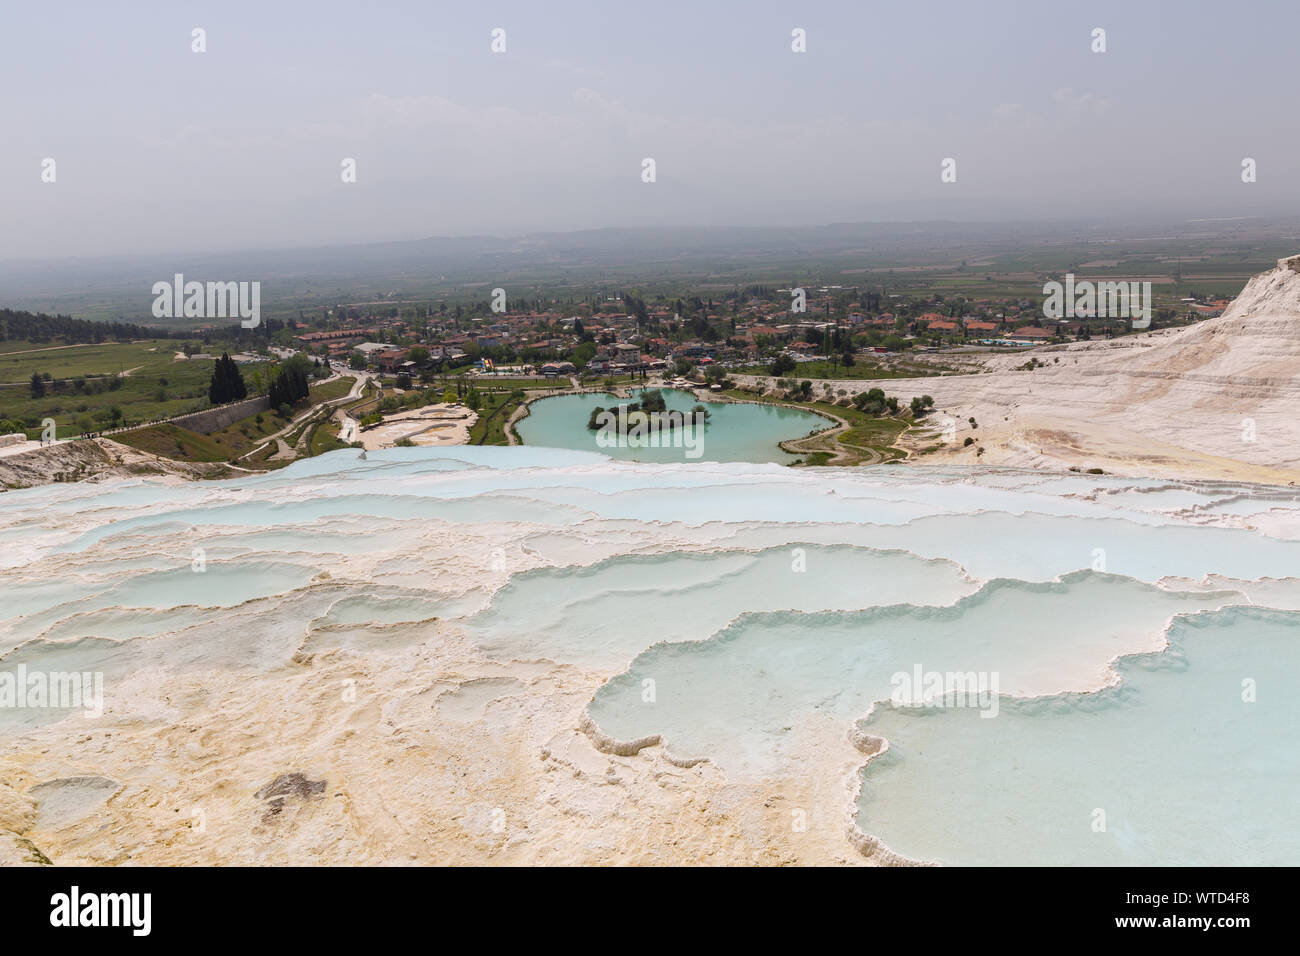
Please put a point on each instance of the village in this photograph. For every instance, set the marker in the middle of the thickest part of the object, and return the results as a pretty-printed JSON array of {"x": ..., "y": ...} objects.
[{"x": 618, "y": 336}]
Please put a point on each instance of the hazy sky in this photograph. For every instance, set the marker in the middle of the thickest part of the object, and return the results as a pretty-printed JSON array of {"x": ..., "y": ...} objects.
[{"x": 159, "y": 148}]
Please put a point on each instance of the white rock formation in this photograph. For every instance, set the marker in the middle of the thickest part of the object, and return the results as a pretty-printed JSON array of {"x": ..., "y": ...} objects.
[{"x": 1217, "y": 399}]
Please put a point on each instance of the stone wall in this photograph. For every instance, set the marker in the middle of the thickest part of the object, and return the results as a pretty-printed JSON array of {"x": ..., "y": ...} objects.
[{"x": 214, "y": 419}]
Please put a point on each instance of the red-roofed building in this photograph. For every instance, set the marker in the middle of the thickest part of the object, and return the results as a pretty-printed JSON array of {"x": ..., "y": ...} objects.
[{"x": 389, "y": 359}]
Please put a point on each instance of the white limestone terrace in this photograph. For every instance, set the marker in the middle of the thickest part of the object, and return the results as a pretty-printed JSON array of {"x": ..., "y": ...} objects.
[
  {"x": 1214, "y": 400},
  {"x": 362, "y": 660}
]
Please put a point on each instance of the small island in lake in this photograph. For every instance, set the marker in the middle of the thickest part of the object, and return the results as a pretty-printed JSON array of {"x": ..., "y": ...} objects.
[
  {"x": 649, "y": 423},
  {"x": 649, "y": 414}
]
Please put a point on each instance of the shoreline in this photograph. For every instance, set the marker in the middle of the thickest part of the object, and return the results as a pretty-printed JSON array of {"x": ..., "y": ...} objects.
[{"x": 1043, "y": 445}]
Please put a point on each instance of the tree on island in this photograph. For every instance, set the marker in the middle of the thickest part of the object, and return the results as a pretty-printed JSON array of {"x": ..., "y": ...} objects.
[
  {"x": 227, "y": 382},
  {"x": 649, "y": 413},
  {"x": 652, "y": 400}
]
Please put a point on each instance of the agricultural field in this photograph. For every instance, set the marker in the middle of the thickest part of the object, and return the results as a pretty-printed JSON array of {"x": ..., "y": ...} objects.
[
  {"x": 149, "y": 357},
  {"x": 98, "y": 387}
]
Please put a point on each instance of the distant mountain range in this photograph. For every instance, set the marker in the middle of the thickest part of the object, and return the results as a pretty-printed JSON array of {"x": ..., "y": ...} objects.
[{"x": 118, "y": 287}]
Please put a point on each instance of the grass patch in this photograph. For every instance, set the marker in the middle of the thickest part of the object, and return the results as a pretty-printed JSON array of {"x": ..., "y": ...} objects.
[
  {"x": 157, "y": 356},
  {"x": 878, "y": 435},
  {"x": 87, "y": 394},
  {"x": 329, "y": 391},
  {"x": 492, "y": 417},
  {"x": 324, "y": 437},
  {"x": 867, "y": 437},
  {"x": 172, "y": 441},
  {"x": 863, "y": 369}
]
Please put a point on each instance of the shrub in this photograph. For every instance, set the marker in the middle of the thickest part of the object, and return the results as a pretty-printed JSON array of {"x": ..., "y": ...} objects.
[{"x": 873, "y": 402}]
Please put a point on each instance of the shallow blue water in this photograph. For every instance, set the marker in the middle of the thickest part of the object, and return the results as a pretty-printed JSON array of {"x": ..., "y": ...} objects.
[
  {"x": 734, "y": 432},
  {"x": 759, "y": 601}
]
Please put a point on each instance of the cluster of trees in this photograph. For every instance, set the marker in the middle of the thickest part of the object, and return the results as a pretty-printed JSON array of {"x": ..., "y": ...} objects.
[
  {"x": 42, "y": 384},
  {"x": 290, "y": 386},
  {"x": 647, "y": 412},
  {"x": 227, "y": 382},
  {"x": 800, "y": 391},
  {"x": 636, "y": 306},
  {"x": 652, "y": 400},
  {"x": 39, "y": 327},
  {"x": 921, "y": 405},
  {"x": 875, "y": 402},
  {"x": 782, "y": 365}
]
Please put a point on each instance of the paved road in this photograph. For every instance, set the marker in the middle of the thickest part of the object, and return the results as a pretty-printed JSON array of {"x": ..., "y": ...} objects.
[{"x": 354, "y": 393}]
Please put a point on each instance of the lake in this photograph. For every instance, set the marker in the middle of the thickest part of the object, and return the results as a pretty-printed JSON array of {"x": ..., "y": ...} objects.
[{"x": 735, "y": 431}]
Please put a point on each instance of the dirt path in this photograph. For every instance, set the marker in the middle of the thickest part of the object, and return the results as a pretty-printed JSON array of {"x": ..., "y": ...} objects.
[
  {"x": 826, "y": 441},
  {"x": 51, "y": 348}
]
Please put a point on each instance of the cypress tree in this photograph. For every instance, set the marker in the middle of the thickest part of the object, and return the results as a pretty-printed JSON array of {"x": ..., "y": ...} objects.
[
  {"x": 227, "y": 382},
  {"x": 219, "y": 389},
  {"x": 239, "y": 390}
]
